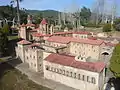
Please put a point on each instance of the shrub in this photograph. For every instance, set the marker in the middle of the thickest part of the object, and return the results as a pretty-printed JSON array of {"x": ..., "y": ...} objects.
[{"x": 107, "y": 27}]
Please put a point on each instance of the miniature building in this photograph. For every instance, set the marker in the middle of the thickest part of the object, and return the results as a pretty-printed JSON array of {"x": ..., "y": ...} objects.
[
  {"x": 76, "y": 74},
  {"x": 76, "y": 59}
]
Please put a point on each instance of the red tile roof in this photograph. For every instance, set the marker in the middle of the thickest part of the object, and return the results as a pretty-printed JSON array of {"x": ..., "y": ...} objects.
[
  {"x": 59, "y": 39},
  {"x": 92, "y": 38},
  {"x": 71, "y": 62},
  {"x": 34, "y": 44},
  {"x": 41, "y": 35},
  {"x": 66, "y": 40},
  {"x": 44, "y": 21},
  {"x": 24, "y": 42},
  {"x": 37, "y": 34}
]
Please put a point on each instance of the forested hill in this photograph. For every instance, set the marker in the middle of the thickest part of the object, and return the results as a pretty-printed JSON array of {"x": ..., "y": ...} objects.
[
  {"x": 44, "y": 13},
  {"x": 9, "y": 13}
]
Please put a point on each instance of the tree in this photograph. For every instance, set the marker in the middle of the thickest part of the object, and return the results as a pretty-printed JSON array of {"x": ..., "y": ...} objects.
[
  {"x": 5, "y": 29},
  {"x": 3, "y": 42},
  {"x": 117, "y": 24},
  {"x": 107, "y": 27},
  {"x": 18, "y": 11},
  {"x": 85, "y": 15},
  {"x": 115, "y": 61}
]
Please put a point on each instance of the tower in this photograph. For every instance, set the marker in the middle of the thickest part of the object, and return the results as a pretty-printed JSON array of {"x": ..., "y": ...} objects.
[
  {"x": 44, "y": 27},
  {"x": 29, "y": 19}
]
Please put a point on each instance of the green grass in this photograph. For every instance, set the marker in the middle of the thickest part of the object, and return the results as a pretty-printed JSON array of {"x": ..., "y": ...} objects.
[
  {"x": 1, "y": 60},
  {"x": 12, "y": 37},
  {"x": 12, "y": 79}
]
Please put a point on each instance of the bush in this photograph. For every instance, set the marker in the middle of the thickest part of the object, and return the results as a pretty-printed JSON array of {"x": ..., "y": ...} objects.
[
  {"x": 117, "y": 24},
  {"x": 107, "y": 27},
  {"x": 115, "y": 61}
]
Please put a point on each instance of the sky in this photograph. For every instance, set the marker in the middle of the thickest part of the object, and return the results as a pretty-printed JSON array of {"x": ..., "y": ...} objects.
[{"x": 59, "y": 5}]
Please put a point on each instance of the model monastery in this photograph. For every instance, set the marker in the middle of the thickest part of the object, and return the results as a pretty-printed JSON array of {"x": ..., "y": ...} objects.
[{"x": 74, "y": 58}]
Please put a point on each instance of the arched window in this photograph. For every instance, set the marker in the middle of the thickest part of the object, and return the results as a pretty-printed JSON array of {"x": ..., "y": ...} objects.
[
  {"x": 70, "y": 74},
  {"x": 63, "y": 72},
  {"x": 67, "y": 73},
  {"x": 47, "y": 67},
  {"x": 60, "y": 71},
  {"x": 56, "y": 70},
  {"x": 93, "y": 80},
  {"x": 52, "y": 69},
  {"x": 74, "y": 75}
]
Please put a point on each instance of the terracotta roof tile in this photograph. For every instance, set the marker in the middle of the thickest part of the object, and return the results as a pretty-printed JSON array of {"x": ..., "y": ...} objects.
[
  {"x": 71, "y": 62},
  {"x": 37, "y": 34},
  {"x": 59, "y": 39},
  {"x": 41, "y": 35},
  {"x": 24, "y": 42},
  {"x": 66, "y": 40},
  {"x": 92, "y": 38}
]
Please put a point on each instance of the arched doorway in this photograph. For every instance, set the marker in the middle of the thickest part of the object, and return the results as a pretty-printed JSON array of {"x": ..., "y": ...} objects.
[
  {"x": 105, "y": 53},
  {"x": 105, "y": 56}
]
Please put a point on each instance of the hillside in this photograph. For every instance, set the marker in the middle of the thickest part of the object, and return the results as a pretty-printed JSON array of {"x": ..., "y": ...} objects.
[
  {"x": 9, "y": 13},
  {"x": 45, "y": 13}
]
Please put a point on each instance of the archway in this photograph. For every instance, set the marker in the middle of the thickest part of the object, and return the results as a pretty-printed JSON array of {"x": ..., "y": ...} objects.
[{"x": 105, "y": 53}]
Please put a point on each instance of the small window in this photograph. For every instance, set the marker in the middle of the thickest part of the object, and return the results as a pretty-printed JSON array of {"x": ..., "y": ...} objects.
[
  {"x": 74, "y": 75},
  {"x": 87, "y": 78},
  {"x": 92, "y": 47},
  {"x": 27, "y": 57},
  {"x": 52, "y": 69},
  {"x": 93, "y": 80},
  {"x": 34, "y": 57},
  {"x": 56, "y": 70},
  {"x": 46, "y": 67},
  {"x": 67, "y": 73},
  {"x": 83, "y": 77},
  {"x": 79, "y": 77},
  {"x": 70, "y": 74},
  {"x": 63, "y": 72}
]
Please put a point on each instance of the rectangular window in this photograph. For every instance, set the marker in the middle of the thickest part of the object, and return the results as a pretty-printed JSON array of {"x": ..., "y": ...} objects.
[
  {"x": 87, "y": 78},
  {"x": 79, "y": 77},
  {"x": 83, "y": 77}
]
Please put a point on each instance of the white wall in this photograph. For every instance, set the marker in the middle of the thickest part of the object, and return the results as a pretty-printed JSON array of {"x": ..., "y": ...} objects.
[
  {"x": 85, "y": 50},
  {"x": 72, "y": 82}
]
